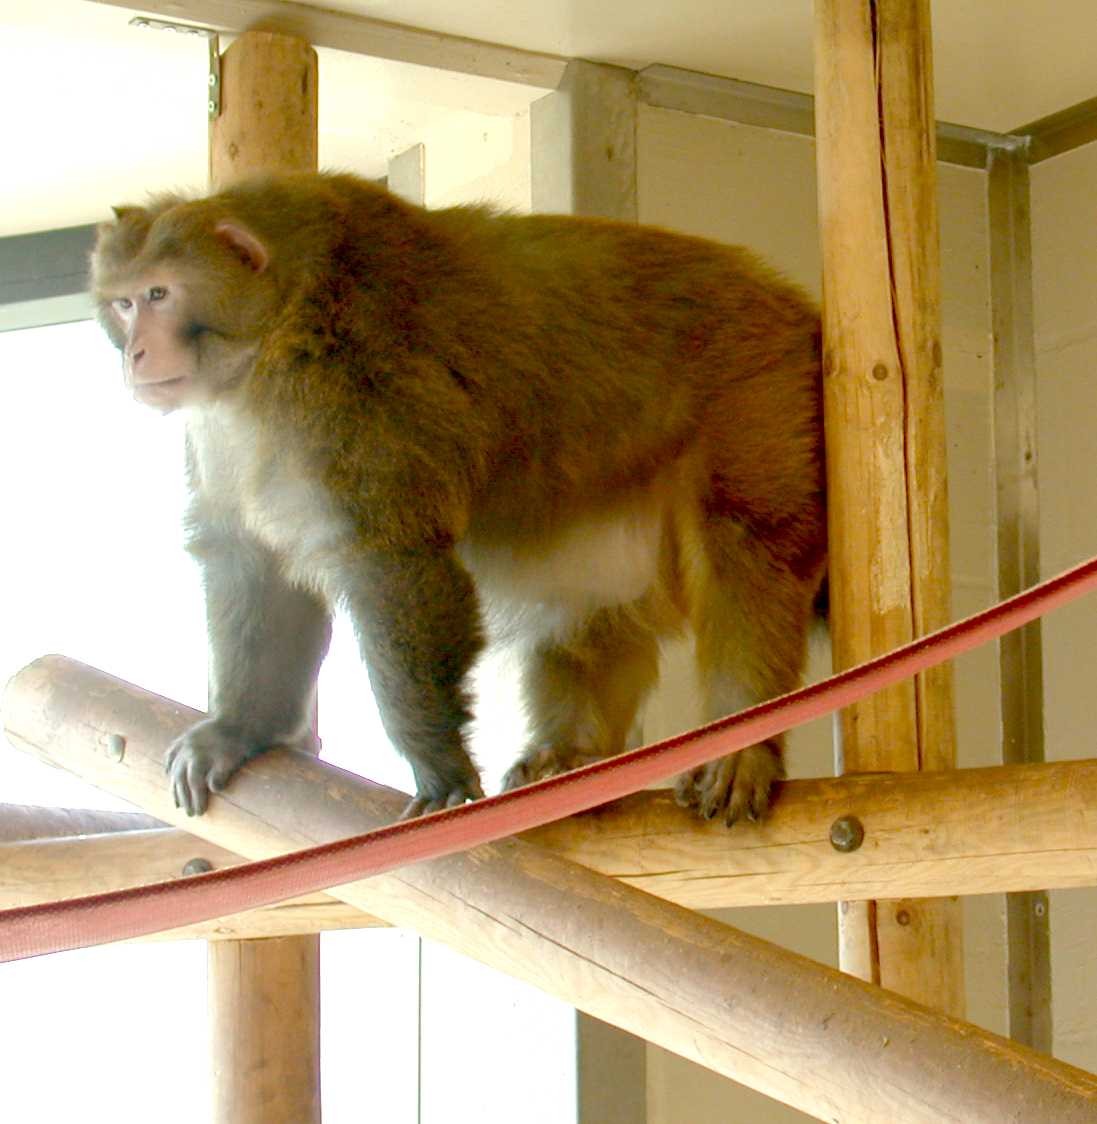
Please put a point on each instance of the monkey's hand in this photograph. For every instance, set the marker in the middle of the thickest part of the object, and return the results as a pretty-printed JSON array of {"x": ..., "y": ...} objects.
[
  {"x": 737, "y": 785},
  {"x": 204, "y": 759}
]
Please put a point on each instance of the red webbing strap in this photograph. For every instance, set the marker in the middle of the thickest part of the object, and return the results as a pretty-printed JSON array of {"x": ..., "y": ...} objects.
[{"x": 123, "y": 914}]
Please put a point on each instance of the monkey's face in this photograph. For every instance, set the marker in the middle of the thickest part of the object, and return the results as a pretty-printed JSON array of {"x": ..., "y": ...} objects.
[
  {"x": 149, "y": 324},
  {"x": 187, "y": 322}
]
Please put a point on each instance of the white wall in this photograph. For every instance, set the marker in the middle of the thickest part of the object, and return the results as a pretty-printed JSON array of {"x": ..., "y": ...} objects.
[
  {"x": 1064, "y": 248},
  {"x": 757, "y": 187}
]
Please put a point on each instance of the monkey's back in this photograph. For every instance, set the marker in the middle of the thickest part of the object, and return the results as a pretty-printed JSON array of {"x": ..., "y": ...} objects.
[
  {"x": 620, "y": 349},
  {"x": 519, "y": 366}
]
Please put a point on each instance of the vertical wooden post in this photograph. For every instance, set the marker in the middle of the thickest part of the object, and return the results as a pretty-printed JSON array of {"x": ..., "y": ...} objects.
[
  {"x": 885, "y": 434},
  {"x": 268, "y": 120},
  {"x": 263, "y": 999},
  {"x": 264, "y": 995}
]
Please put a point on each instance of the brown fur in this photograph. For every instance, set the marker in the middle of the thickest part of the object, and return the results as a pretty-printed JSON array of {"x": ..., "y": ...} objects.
[{"x": 439, "y": 419}]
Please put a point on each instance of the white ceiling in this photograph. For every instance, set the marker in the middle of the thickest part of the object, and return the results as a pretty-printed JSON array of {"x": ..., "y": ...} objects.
[{"x": 96, "y": 111}]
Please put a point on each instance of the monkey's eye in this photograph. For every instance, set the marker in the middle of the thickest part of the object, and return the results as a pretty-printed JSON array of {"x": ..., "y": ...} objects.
[
  {"x": 124, "y": 303},
  {"x": 157, "y": 293}
]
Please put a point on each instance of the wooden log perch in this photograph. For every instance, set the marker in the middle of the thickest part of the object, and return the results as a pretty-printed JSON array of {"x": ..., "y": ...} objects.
[
  {"x": 972, "y": 831},
  {"x": 20, "y": 823},
  {"x": 826, "y": 1043},
  {"x": 41, "y": 870}
]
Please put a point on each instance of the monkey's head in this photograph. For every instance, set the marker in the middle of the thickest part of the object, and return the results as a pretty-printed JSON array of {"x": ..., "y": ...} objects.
[{"x": 185, "y": 292}]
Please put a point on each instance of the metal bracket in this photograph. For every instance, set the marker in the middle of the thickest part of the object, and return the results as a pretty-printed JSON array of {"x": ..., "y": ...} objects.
[
  {"x": 214, "y": 103},
  {"x": 213, "y": 93}
]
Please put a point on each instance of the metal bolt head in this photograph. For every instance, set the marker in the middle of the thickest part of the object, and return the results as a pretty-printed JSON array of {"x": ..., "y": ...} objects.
[
  {"x": 116, "y": 747},
  {"x": 198, "y": 866},
  {"x": 847, "y": 833}
]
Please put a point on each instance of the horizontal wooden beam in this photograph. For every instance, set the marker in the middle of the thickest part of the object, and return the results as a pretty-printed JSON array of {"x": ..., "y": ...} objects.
[
  {"x": 969, "y": 831},
  {"x": 825, "y": 1043},
  {"x": 43, "y": 870},
  {"x": 972, "y": 831},
  {"x": 22, "y": 822},
  {"x": 343, "y": 31}
]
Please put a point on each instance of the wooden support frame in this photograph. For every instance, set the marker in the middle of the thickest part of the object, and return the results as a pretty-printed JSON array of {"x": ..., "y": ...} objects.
[
  {"x": 840, "y": 1048},
  {"x": 973, "y": 831},
  {"x": 1036, "y": 152}
]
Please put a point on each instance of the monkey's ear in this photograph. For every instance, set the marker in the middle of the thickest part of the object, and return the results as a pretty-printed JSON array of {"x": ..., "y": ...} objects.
[{"x": 243, "y": 244}]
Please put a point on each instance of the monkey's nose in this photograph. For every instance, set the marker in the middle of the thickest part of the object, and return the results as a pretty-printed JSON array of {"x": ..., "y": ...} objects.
[{"x": 136, "y": 357}]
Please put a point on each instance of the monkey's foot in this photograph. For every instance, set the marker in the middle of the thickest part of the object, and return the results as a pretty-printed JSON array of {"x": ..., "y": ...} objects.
[
  {"x": 536, "y": 764},
  {"x": 422, "y": 803},
  {"x": 442, "y": 780},
  {"x": 737, "y": 785}
]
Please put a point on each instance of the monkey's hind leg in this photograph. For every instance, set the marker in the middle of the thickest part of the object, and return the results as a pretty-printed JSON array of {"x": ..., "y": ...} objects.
[
  {"x": 750, "y": 616},
  {"x": 582, "y": 696}
]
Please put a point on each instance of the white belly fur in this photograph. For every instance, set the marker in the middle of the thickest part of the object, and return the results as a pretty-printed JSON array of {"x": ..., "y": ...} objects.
[
  {"x": 543, "y": 592},
  {"x": 529, "y": 592},
  {"x": 277, "y": 503}
]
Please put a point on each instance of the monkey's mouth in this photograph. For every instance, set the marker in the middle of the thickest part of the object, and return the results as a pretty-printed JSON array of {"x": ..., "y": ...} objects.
[{"x": 163, "y": 395}]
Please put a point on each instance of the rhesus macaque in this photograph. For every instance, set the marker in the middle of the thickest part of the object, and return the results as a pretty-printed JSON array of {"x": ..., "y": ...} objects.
[{"x": 582, "y": 435}]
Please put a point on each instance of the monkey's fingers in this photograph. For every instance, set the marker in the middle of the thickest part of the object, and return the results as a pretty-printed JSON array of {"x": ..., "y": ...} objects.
[
  {"x": 757, "y": 768},
  {"x": 203, "y": 760},
  {"x": 707, "y": 787},
  {"x": 421, "y": 805},
  {"x": 738, "y": 785},
  {"x": 188, "y": 783},
  {"x": 546, "y": 761}
]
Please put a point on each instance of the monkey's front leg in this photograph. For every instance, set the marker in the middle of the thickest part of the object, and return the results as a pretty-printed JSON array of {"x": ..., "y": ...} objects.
[
  {"x": 267, "y": 639},
  {"x": 419, "y": 629}
]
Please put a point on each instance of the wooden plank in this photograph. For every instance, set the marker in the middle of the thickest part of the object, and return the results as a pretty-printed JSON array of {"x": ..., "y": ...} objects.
[
  {"x": 343, "y": 31},
  {"x": 885, "y": 433},
  {"x": 819, "y": 1040}
]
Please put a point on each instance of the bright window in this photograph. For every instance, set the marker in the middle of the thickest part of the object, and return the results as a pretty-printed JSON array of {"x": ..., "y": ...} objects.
[{"x": 92, "y": 566}]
